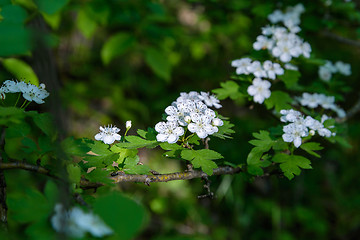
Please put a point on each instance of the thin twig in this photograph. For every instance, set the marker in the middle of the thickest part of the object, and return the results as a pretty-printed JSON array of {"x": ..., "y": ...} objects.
[{"x": 341, "y": 39}]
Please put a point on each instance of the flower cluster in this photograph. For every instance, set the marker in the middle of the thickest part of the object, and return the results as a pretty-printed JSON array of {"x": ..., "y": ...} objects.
[
  {"x": 320, "y": 100},
  {"x": 325, "y": 72},
  {"x": 76, "y": 223},
  {"x": 259, "y": 88},
  {"x": 190, "y": 112},
  {"x": 108, "y": 134},
  {"x": 301, "y": 126},
  {"x": 29, "y": 91},
  {"x": 282, "y": 42}
]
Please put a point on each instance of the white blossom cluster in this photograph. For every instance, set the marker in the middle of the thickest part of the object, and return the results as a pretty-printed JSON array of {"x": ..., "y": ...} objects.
[
  {"x": 109, "y": 134},
  {"x": 326, "y": 71},
  {"x": 29, "y": 91},
  {"x": 259, "y": 88},
  {"x": 320, "y": 100},
  {"x": 190, "y": 112},
  {"x": 282, "y": 42},
  {"x": 76, "y": 223},
  {"x": 300, "y": 126}
]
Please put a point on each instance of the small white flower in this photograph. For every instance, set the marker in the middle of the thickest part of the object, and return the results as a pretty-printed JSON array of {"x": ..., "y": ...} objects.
[
  {"x": 257, "y": 69},
  {"x": 272, "y": 69},
  {"x": 276, "y": 16},
  {"x": 325, "y": 73},
  {"x": 293, "y": 133},
  {"x": 108, "y": 134},
  {"x": 259, "y": 90},
  {"x": 343, "y": 68},
  {"x": 33, "y": 93},
  {"x": 11, "y": 86},
  {"x": 168, "y": 131},
  {"x": 241, "y": 65},
  {"x": 201, "y": 125},
  {"x": 263, "y": 42},
  {"x": 210, "y": 100}
]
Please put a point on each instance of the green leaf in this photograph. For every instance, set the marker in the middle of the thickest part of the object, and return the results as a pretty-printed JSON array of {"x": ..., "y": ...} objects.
[
  {"x": 21, "y": 70},
  {"x": 51, "y": 192},
  {"x": 131, "y": 166},
  {"x": 291, "y": 164},
  {"x": 85, "y": 23},
  {"x": 228, "y": 89},
  {"x": 100, "y": 148},
  {"x": 75, "y": 147},
  {"x": 309, "y": 147},
  {"x": 30, "y": 145},
  {"x": 115, "y": 46},
  {"x": 202, "y": 159},
  {"x": 30, "y": 206},
  {"x": 18, "y": 130},
  {"x": 45, "y": 122},
  {"x": 290, "y": 78},
  {"x": 263, "y": 141},
  {"x": 280, "y": 100},
  {"x": 225, "y": 130},
  {"x": 255, "y": 163},
  {"x": 169, "y": 146},
  {"x": 74, "y": 173},
  {"x": 13, "y": 13},
  {"x": 11, "y": 115},
  {"x": 99, "y": 175},
  {"x": 51, "y": 6},
  {"x": 121, "y": 214},
  {"x": 134, "y": 142},
  {"x": 15, "y": 39},
  {"x": 158, "y": 62}
]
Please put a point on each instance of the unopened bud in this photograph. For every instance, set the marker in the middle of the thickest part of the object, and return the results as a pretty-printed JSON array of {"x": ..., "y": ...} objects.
[
  {"x": 42, "y": 86},
  {"x": 128, "y": 125},
  {"x": 312, "y": 132}
]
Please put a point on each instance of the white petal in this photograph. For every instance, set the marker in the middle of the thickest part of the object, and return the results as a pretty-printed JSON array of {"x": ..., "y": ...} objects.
[
  {"x": 99, "y": 136},
  {"x": 297, "y": 142},
  {"x": 192, "y": 127},
  {"x": 108, "y": 139},
  {"x": 172, "y": 138},
  {"x": 161, "y": 137}
]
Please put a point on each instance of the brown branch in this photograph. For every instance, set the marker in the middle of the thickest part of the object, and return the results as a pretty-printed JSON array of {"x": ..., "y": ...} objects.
[
  {"x": 25, "y": 166},
  {"x": 341, "y": 39},
  {"x": 122, "y": 177}
]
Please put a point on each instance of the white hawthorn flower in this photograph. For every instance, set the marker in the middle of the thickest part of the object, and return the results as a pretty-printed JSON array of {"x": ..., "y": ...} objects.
[
  {"x": 257, "y": 69},
  {"x": 343, "y": 68},
  {"x": 201, "y": 125},
  {"x": 241, "y": 65},
  {"x": 325, "y": 73},
  {"x": 168, "y": 131},
  {"x": 210, "y": 100},
  {"x": 263, "y": 42},
  {"x": 33, "y": 93},
  {"x": 293, "y": 133},
  {"x": 259, "y": 90},
  {"x": 108, "y": 134},
  {"x": 272, "y": 69}
]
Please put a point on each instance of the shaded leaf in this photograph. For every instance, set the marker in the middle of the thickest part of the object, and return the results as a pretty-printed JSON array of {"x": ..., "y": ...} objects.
[
  {"x": 291, "y": 164},
  {"x": 158, "y": 62},
  {"x": 116, "y": 46},
  {"x": 309, "y": 147}
]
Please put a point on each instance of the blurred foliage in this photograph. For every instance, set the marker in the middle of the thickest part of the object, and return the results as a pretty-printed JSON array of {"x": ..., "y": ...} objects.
[{"x": 117, "y": 60}]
